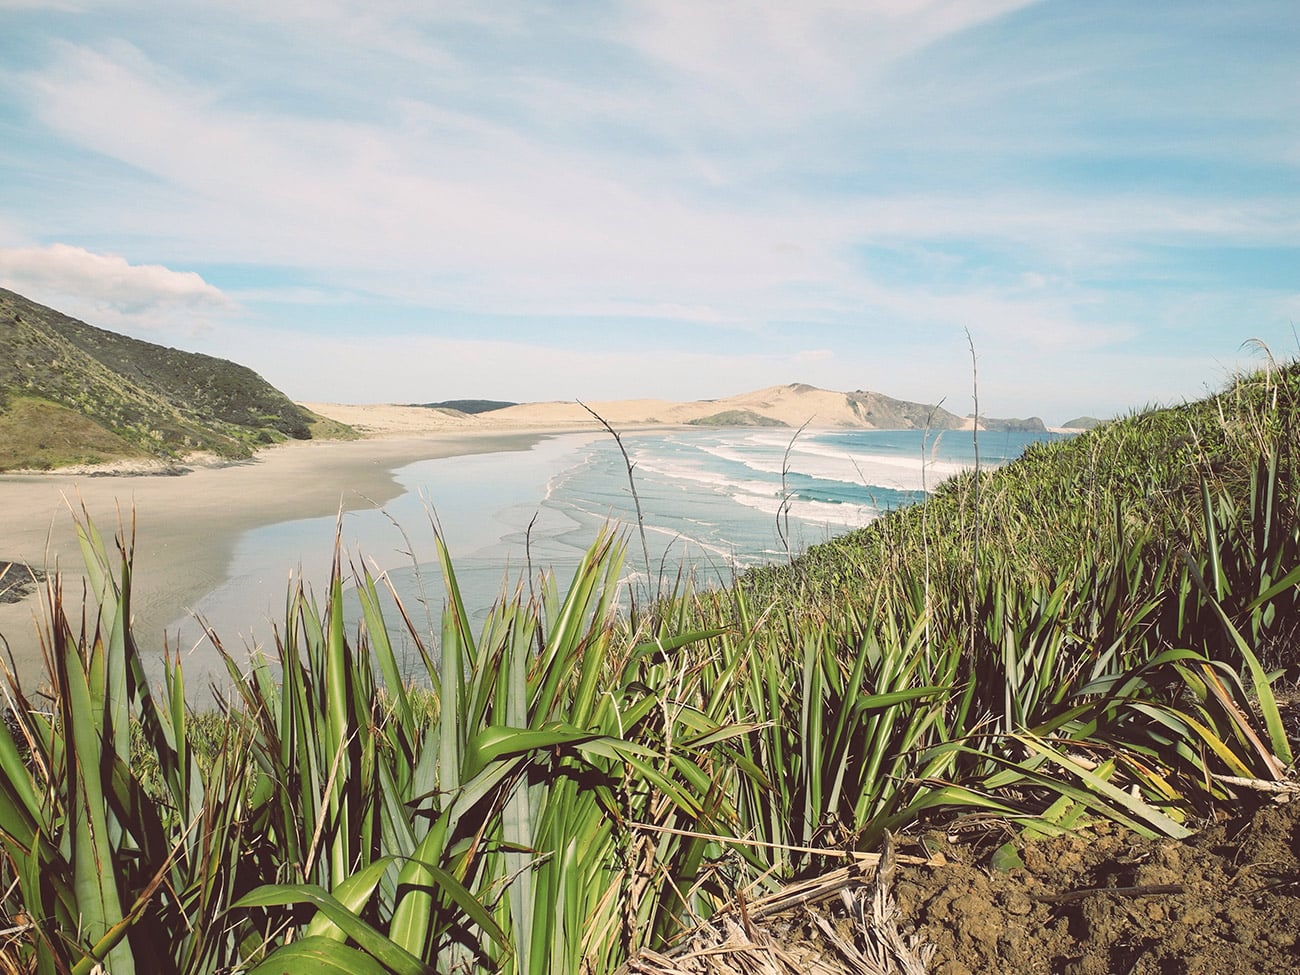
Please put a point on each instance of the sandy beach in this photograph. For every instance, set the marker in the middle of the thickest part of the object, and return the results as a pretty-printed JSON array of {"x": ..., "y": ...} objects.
[{"x": 187, "y": 525}]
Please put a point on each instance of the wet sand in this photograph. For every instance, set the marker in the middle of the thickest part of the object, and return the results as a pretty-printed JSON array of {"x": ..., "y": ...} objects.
[{"x": 186, "y": 526}]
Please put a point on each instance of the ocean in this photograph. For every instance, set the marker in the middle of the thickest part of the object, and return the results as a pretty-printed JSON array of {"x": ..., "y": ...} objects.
[{"x": 714, "y": 502}]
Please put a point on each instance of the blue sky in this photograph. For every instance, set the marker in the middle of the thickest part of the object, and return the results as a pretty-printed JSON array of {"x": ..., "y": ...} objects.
[{"x": 402, "y": 200}]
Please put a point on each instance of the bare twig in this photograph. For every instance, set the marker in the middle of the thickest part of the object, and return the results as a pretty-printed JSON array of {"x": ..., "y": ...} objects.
[
  {"x": 925, "y": 511},
  {"x": 1260, "y": 785},
  {"x": 783, "y": 509},
  {"x": 975, "y": 498},
  {"x": 636, "y": 498}
]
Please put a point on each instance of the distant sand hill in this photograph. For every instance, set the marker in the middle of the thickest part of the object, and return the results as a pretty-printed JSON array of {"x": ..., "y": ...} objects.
[{"x": 790, "y": 406}]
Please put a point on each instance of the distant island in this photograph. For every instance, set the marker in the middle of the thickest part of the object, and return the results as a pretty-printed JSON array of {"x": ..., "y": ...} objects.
[{"x": 1082, "y": 423}]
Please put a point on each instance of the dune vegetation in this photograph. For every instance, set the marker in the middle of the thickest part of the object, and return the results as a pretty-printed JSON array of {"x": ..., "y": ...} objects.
[{"x": 1099, "y": 633}]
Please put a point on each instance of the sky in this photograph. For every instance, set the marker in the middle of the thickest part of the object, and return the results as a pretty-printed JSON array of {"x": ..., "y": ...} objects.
[{"x": 413, "y": 201}]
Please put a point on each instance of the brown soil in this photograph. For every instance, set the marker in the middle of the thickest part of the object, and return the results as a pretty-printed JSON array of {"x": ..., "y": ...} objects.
[
  {"x": 1097, "y": 902},
  {"x": 1226, "y": 901}
]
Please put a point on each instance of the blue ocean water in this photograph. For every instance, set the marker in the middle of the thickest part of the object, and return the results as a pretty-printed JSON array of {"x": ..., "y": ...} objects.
[{"x": 713, "y": 502}]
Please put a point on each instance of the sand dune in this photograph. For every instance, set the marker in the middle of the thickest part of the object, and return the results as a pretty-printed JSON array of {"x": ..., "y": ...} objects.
[{"x": 792, "y": 405}]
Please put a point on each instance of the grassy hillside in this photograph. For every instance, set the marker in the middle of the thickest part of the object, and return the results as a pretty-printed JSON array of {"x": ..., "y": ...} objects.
[
  {"x": 117, "y": 397},
  {"x": 735, "y": 418},
  {"x": 470, "y": 406},
  {"x": 1096, "y": 639},
  {"x": 1146, "y": 478}
]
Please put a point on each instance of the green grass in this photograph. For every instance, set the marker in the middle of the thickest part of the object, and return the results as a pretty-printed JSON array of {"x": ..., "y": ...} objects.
[
  {"x": 573, "y": 783},
  {"x": 36, "y": 434},
  {"x": 323, "y": 428}
]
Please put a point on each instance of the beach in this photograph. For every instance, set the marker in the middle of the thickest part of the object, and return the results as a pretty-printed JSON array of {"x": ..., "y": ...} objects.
[{"x": 186, "y": 525}]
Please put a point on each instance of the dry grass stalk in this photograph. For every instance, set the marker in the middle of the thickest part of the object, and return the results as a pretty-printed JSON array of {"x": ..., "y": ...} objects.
[{"x": 865, "y": 943}]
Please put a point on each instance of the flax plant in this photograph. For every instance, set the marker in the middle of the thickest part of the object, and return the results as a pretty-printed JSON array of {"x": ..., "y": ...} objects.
[
  {"x": 118, "y": 863},
  {"x": 503, "y": 832}
]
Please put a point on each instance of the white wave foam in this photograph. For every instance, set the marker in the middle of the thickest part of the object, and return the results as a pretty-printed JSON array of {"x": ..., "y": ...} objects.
[{"x": 830, "y": 463}]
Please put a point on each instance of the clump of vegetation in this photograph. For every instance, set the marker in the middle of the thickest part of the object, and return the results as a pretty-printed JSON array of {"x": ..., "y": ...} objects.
[
  {"x": 470, "y": 406},
  {"x": 323, "y": 428},
  {"x": 1081, "y": 637},
  {"x": 736, "y": 418}
]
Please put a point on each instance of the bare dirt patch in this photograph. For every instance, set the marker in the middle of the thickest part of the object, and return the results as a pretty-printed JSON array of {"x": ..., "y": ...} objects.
[
  {"x": 1100, "y": 901},
  {"x": 1226, "y": 901}
]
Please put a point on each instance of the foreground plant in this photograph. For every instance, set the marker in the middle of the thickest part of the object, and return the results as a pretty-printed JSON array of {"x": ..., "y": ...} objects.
[
  {"x": 479, "y": 813},
  {"x": 108, "y": 868}
]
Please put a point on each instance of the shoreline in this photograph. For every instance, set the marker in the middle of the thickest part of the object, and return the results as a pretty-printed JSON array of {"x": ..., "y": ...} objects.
[
  {"x": 190, "y": 515},
  {"x": 187, "y": 526}
]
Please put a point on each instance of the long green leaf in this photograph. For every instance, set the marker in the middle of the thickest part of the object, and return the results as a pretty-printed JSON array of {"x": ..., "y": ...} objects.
[
  {"x": 352, "y": 893},
  {"x": 1259, "y": 682},
  {"x": 316, "y": 955},
  {"x": 1134, "y": 806},
  {"x": 391, "y": 955}
]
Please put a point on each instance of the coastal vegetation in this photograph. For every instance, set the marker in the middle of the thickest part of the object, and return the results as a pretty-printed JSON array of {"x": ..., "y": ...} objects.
[
  {"x": 72, "y": 393},
  {"x": 469, "y": 406},
  {"x": 735, "y": 418},
  {"x": 1097, "y": 637}
]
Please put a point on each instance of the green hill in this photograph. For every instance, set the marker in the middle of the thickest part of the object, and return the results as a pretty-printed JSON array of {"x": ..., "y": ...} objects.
[
  {"x": 73, "y": 393},
  {"x": 470, "y": 406},
  {"x": 1082, "y": 423},
  {"x": 736, "y": 418}
]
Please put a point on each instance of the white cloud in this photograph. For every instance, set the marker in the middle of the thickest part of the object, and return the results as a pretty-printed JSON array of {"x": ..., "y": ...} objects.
[
  {"x": 108, "y": 291},
  {"x": 510, "y": 220},
  {"x": 473, "y": 213},
  {"x": 750, "y": 62}
]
